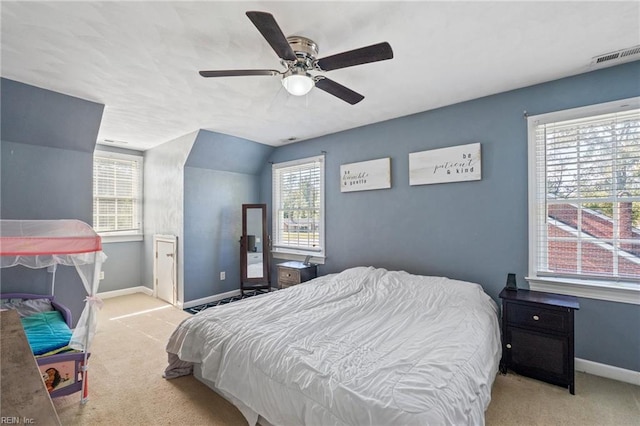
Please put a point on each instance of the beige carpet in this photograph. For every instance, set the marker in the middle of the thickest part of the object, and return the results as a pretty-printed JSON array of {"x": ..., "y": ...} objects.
[
  {"x": 125, "y": 373},
  {"x": 126, "y": 385}
]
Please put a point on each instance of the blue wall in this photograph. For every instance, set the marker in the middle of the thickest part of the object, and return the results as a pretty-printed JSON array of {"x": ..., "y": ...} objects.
[
  {"x": 220, "y": 174},
  {"x": 217, "y": 151},
  {"x": 41, "y": 117},
  {"x": 212, "y": 228},
  {"x": 474, "y": 231},
  {"x": 47, "y": 142},
  {"x": 39, "y": 182},
  {"x": 468, "y": 230},
  {"x": 124, "y": 266}
]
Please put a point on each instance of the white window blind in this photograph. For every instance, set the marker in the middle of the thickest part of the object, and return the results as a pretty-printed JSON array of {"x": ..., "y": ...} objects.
[
  {"x": 117, "y": 194},
  {"x": 298, "y": 207},
  {"x": 586, "y": 196}
]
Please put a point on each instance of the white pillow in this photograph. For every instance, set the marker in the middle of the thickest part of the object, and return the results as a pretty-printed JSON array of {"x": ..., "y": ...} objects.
[{"x": 27, "y": 307}]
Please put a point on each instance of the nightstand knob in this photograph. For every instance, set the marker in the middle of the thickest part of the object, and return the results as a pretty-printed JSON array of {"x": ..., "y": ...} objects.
[
  {"x": 536, "y": 318},
  {"x": 508, "y": 345}
]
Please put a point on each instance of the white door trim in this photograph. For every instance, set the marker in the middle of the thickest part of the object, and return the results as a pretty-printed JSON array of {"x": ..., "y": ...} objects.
[{"x": 172, "y": 239}]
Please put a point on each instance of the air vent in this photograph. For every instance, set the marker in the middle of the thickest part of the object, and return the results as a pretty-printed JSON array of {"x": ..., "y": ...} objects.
[
  {"x": 289, "y": 140},
  {"x": 615, "y": 58},
  {"x": 632, "y": 51}
]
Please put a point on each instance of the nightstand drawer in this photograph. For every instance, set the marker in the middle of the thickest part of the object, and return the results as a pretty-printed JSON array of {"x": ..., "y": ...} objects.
[
  {"x": 538, "y": 317},
  {"x": 292, "y": 273},
  {"x": 288, "y": 276}
]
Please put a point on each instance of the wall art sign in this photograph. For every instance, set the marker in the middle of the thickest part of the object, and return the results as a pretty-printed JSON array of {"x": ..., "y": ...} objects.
[
  {"x": 453, "y": 164},
  {"x": 366, "y": 175}
]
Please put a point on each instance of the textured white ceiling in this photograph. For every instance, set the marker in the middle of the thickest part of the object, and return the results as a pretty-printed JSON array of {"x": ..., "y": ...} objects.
[{"x": 141, "y": 59}]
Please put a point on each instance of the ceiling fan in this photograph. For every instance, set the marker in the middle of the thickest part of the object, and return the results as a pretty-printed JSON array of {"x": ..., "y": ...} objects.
[{"x": 298, "y": 55}]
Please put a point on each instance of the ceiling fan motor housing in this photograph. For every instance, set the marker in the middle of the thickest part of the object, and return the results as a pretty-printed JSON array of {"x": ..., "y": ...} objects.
[{"x": 303, "y": 45}]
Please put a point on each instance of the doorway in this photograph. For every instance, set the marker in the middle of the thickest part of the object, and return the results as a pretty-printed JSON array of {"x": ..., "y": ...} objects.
[{"x": 165, "y": 267}]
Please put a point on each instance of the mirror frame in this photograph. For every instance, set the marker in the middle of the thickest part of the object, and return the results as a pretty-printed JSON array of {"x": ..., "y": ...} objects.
[{"x": 263, "y": 282}]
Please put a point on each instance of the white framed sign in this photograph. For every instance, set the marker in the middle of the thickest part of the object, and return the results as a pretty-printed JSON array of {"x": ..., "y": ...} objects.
[
  {"x": 366, "y": 175},
  {"x": 454, "y": 164}
]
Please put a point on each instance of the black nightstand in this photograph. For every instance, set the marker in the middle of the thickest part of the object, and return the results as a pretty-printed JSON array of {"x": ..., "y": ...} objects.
[
  {"x": 292, "y": 273},
  {"x": 538, "y": 334}
]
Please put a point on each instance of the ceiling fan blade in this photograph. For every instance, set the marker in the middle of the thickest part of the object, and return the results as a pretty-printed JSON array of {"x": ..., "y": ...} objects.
[
  {"x": 268, "y": 27},
  {"x": 364, "y": 55},
  {"x": 237, "y": 73},
  {"x": 339, "y": 90}
]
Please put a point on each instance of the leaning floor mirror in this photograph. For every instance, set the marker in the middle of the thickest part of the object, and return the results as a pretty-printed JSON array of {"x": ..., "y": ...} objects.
[{"x": 254, "y": 249}]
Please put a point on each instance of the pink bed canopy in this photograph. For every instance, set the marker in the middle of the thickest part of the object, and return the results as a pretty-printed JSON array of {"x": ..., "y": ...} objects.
[
  {"x": 36, "y": 238},
  {"x": 48, "y": 243}
]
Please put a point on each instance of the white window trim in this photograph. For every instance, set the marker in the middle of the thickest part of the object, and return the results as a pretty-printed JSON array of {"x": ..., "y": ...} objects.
[
  {"x": 601, "y": 290},
  {"x": 293, "y": 254},
  {"x": 613, "y": 291},
  {"x": 113, "y": 237},
  {"x": 125, "y": 236}
]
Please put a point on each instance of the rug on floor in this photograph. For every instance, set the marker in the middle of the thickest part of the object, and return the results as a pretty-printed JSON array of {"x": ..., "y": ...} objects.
[{"x": 200, "y": 308}]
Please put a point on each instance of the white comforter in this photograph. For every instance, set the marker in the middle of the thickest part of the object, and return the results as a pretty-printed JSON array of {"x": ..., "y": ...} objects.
[{"x": 363, "y": 347}]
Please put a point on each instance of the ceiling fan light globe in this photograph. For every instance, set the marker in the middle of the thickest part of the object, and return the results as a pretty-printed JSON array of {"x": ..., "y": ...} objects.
[{"x": 297, "y": 85}]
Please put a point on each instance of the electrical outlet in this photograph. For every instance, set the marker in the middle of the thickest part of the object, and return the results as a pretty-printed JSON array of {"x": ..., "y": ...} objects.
[
  {"x": 223, "y": 275},
  {"x": 102, "y": 275}
]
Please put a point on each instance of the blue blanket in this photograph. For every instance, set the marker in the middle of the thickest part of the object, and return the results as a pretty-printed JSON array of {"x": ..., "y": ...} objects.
[{"x": 46, "y": 331}]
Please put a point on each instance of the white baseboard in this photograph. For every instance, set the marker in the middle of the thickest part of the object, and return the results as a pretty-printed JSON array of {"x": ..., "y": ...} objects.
[
  {"x": 213, "y": 298},
  {"x": 608, "y": 371},
  {"x": 126, "y": 291},
  {"x": 179, "y": 305}
]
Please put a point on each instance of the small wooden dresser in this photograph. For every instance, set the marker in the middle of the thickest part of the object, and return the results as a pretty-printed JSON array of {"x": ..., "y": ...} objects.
[
  {"x": 538, "y": 334},
  {"x": 292, "y": 273}
]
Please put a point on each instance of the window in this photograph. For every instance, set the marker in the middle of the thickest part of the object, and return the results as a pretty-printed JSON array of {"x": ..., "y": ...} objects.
[
  {"x": 584, "y": 201},
  {"x": 298, "y": 209},
  {"x": 117, "y": 196}
]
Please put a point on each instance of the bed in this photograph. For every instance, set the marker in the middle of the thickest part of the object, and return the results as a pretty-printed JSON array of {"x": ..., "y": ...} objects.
[
  {"x": 365, "y": 346},
  {"x": 62, "y": 353},
  {"x": 47, "y": 326}
]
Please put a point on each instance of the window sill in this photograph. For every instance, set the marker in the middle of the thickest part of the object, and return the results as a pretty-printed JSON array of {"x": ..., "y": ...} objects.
[
  {"x": 106, "y": 239},
  {"x": 613, "y": 292},
  {"x": 317, "y": 260}
]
